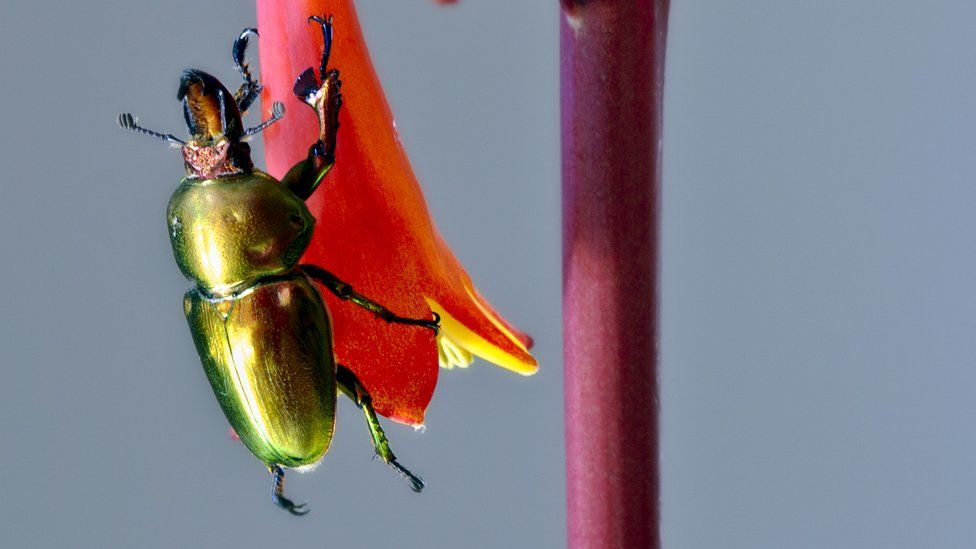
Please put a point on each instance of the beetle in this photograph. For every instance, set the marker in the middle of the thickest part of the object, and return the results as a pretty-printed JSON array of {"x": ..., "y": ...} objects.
[{"x": 260, "y": 326}]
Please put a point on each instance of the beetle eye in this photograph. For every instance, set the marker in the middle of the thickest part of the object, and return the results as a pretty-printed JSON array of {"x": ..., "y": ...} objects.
[{"x": 296, "y": 220}]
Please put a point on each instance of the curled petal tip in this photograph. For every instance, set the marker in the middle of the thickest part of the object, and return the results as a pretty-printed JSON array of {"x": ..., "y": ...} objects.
[{"x": 485, "y": 337}]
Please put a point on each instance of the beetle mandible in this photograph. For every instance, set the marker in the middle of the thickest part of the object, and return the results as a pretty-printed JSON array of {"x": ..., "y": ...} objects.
[{"x": 259, "y": 325}]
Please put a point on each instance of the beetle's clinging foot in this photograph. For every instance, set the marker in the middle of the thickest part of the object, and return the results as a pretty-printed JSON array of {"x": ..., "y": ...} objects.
[
  {"x": 322, "y": 93},
  {"x": 434, "y": 324},
  {"x": 326, "y": 24},
  {"x": 250, "y": 88},
  {"x": 417, "y": 484},
  {"x": 278, "y": 493},
  {"x": 350, "y": 385}
]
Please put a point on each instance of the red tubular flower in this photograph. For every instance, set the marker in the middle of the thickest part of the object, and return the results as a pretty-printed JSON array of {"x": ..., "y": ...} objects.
[{"x": 373, "y": 228}]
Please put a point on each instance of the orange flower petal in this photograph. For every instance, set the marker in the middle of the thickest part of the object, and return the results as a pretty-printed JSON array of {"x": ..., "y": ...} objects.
[{"x": 373, "y": 228}]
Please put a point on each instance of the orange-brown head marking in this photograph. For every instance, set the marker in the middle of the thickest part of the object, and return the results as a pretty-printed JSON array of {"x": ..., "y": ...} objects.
[{"x": 214, "y": 121}]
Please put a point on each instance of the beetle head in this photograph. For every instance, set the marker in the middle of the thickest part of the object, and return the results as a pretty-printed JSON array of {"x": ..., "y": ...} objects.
[{"x": 214, "y": 121}]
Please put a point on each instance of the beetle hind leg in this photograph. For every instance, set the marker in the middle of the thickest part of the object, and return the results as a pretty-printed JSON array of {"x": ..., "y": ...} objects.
[
  {"x": 350, "y": 385},
  {"x": 278, "y": 493},
  {"x": 417, "y": 484}
]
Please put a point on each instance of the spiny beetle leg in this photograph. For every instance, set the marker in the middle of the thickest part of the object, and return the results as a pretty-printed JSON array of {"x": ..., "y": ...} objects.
[
  {"x": 322, "y": 94},
  {"x": 344, "y": 291},
  {"x": 326, "y": 24},
  {"x": 278, "y": 493},
  {"x": 351, "y": 387},
  {"x": 434, "y": 324},
  {"x": 417, "y": 484},
  {"x": 250, "y": 88}
]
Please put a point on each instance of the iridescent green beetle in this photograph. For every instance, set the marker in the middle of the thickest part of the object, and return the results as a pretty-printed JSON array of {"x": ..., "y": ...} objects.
[{"x": 259, "y": 325}]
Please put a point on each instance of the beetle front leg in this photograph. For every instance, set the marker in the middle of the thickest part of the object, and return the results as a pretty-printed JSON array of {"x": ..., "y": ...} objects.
[
  {"x": 345, "y": 292},
  {"x": 350, "y": 385},
  {"x": 303, "y": 178},
  {"x": 325, "y": 99}
]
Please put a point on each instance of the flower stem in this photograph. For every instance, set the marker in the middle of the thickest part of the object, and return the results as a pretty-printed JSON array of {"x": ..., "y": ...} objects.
[{"x": 612, "y": 55}]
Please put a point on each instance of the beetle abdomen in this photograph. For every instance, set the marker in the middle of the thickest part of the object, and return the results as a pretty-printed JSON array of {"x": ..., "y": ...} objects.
[{"x": 268, "y": 354}]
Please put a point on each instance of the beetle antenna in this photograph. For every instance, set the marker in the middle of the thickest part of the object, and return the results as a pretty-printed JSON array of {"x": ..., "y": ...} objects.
[
  {"x": 250, "y": 88},
  {"x": 127, "y": 122},
  {"x": 277, "y": 112},
  {"x": 327, "y": 38}
]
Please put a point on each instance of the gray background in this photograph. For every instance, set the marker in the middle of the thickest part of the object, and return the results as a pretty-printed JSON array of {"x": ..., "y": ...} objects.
[{"x": 816, "y": 342}]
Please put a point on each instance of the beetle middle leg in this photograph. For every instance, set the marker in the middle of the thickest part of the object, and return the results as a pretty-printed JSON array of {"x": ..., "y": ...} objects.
[
  {"x": 278, "y": 493},
  {"x": 344, "y": 291},
  {"x": 350, "y": 385}
]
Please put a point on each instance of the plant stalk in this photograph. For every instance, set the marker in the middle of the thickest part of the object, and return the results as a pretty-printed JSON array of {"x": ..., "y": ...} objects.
[{"x": 612, "y": 60}]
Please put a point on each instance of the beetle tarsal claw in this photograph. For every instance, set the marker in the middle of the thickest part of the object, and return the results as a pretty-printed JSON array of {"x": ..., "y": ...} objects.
[
  {"x": 326, "y": 24},
  {"x": 297, "y": 510},
  {"x": 278, "y": 494},
  {"x": 417, "y": 484}
]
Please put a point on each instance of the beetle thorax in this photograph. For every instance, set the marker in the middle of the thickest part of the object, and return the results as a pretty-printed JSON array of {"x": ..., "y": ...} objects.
[{"x": 229, "y": 232}]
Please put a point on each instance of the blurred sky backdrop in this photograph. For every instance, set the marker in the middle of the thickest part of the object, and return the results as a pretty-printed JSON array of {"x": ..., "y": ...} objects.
[{"x": 817, "y": 313}]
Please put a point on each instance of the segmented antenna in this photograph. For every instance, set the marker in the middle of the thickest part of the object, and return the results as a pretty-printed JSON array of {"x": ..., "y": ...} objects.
[
  {"x": 128, "y": 122},
  {"x": 277, "y": 112}
]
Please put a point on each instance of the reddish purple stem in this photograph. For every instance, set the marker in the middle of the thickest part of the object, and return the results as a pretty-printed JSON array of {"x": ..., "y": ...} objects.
[{"x": 612, "y": 75}]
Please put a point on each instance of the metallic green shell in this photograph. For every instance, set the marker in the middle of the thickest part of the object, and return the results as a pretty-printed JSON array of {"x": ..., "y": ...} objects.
[
  {"x": 268, "y": 355},
  {"x": 229, "y": 232}
]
